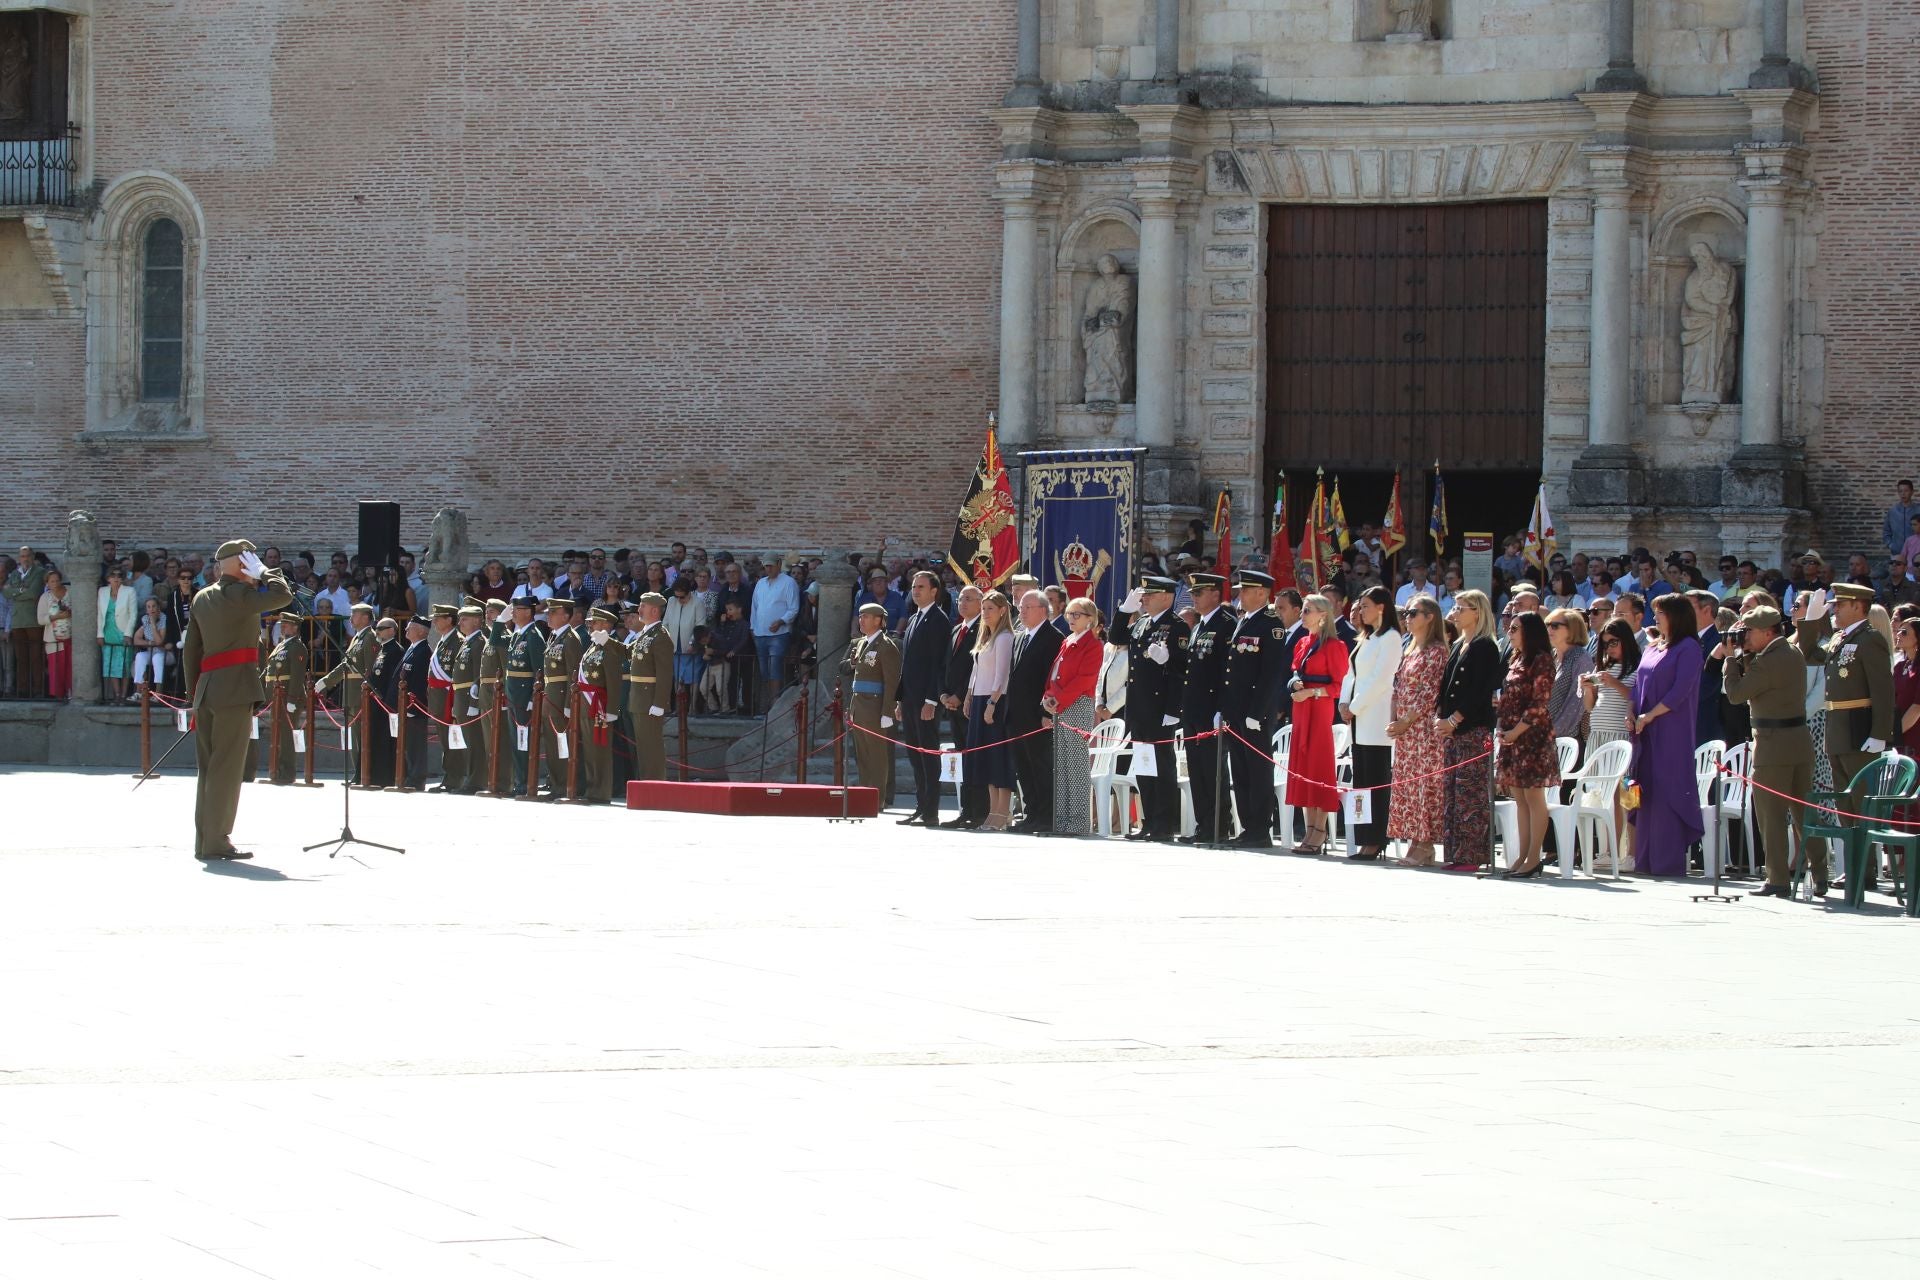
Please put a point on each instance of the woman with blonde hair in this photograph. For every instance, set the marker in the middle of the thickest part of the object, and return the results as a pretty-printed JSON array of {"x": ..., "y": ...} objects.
[
  {"x": 1465, "y": 712},
  {"x": 1419, "y": 752},
  {"x": 1567, "y": 633},
  {"x": 988, "y": 753},
  {"x": 1320, "y": 666}
]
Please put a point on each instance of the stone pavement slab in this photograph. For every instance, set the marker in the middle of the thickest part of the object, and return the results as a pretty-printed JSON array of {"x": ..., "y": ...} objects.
[{"x": 564, "y": 1042}]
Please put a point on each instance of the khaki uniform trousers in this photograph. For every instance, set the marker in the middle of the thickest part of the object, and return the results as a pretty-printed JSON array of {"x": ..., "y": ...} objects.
[
  {"x": 1775, "y": 816},
  {"x": 873, "y": 755},
  {"x": 220, "y": 745}
]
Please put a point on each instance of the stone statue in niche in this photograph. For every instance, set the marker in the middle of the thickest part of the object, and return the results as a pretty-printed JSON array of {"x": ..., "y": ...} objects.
[
  {"x": 1103, "y": 333},
  {"x": 1707, "y": 328},
  {"x": 1412, "y": 20}
]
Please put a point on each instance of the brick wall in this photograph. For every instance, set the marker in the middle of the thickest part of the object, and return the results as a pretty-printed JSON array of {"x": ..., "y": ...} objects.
[
  {"x": 1868, "y": 174},
  {"x": 599, "y": 272}
]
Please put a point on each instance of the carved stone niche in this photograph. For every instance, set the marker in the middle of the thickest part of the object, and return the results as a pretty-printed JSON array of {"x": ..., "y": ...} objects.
[
  {"x": 1717, "y": 224},
  {"x": 1398, "y": 21},
  {"x": 1109, "y": 230}
]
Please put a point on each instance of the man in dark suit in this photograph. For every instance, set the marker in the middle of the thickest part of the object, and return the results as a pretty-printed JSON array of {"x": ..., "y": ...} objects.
[
  {"x": 1336, "y": 595},
  {"x": 1259, "y": 665},
  {"x": 1706, "y": 613},
  {"x": 1033, "y": 654},
  {"x": 1200, "y": 702},
  {"x": 973, "y": 794},
  {"x": 384, "y": 680},
  {"x": 1286, "y": 603},
  {"x": 413, "y": 674},
  {"x": 1156, "y": 679},
  {"x": 923, "y": 674}
]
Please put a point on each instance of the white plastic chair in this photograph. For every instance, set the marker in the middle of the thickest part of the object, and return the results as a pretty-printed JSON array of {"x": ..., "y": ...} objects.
[
  {"x": 1593, "y": 804},
  {"x": 1561, "y": 817},
  {"x": 1108, "y": 782},
  {"x": 1567, "y": 752},
  {"x": 1706, "y": 768},
  {"x": 1282, "y": 747},
  {"x": 1343, "y": 775},
  {"x": 1734, "y": 805},
  {"x": 1187, "y": 823}
]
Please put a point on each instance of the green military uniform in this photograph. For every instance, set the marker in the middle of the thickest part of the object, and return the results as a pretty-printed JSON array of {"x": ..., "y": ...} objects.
[
  {"x": 1859, "y": 689},
  {"x": 874, "y": 663},
  {"x": 286, "y": 682},
  {"x": 558, "y": 663},
  {"x": 600, "y": 678},
  {"x": 453, "y": 763},
  {"x": 250, "y": 771},
  {"x": 493, "y": 727},
  {"x": 464, "y": 708},
  {"x": 356, "y": 664},
  {"x": 1773, "y": 686},
  {"x": 218, "y": 661},
  {"x": 526, "y": 652},
  {"x": 650, "y": 689}
]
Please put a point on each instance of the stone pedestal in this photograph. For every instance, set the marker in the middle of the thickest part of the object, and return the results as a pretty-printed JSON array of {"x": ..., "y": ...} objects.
[
  {"x": 82, "y": 567},
  {"x": 1765, "y": 478},
  {"x": 834, "y": 611},
  {"x": 1169, "y": 496},
  {"x": 1607, "y": 475},
  {"x": 444, "y": 567}
]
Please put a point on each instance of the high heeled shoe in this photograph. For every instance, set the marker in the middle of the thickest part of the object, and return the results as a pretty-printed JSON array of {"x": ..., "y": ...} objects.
[
  {"x": 995, "y": 822},
  {"x": 1528, "y": 874}
]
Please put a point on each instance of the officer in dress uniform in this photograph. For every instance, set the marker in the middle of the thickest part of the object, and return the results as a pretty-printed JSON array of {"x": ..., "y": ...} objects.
[
  {"x": 526, "y": 654},
  {"x": 286, "y": 681},
  {"x": 218, "y": 662},
  {"x": 1859, "y": 682},
  {"x": 494, "y": 728},
  {"x": 413, "y": 681},
  {"x": 356, "y": 664},
  {"x": 446, "y": 641},
  {"x": 1259, "y": 665},
  {"x": 1156, "y": 679},
  {"x": 873, "y": 662},
  {"x": 560, "y": 660},
  {"x": 1200, "y": 701},
  {"x": 383, "y": 693},
  {"x": 600, "y": 679},
  {"x": 466, "y": 765},
  {"x": 627, "y": 633},
  {"x": 650, "y": 689},
  {"x": 1768, "y": 676}
]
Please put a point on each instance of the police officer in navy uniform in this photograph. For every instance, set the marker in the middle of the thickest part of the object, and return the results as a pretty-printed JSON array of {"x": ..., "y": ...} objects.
[
  {"x": 1156, "y": 679},
  {"x": 1259, "y": 665},
  {"x": 1200, "y": 703}
]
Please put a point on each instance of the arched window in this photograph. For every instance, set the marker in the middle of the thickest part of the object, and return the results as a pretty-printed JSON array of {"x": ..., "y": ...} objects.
[{"x": 162, "y": 311}]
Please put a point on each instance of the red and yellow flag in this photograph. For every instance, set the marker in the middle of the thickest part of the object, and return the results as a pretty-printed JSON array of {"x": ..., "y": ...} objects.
[
  {"x": 1280, "y": 551},
  {"x": 986, "y": 536},
  {"x": 1223, "y": 529},
  {"x": 1393, "y": 529}
]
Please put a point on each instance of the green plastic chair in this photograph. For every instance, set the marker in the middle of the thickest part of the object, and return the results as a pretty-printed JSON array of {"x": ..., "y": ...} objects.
[
  {"x": 1906, "y": 839},
  {"x": 1888, "y": 783}
]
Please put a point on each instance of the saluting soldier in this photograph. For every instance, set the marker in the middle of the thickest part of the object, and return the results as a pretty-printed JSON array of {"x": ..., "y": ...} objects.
[
  {"x": 355, "y": 666},
  {"x": 650, "y": 689},
  {"x": 873, "y": 661},
  {"x": 446, "y": 641},
  {"x": 1768, "y": 676},
  {"x": 286, "y": 682},
  {"x": 1156, "y": 679},
  {"x": 526, "y": 654},
  {"x": 218, "y": 661},
  {"x": 601, "y": 679},
  {"x": 558, "y": 663},
  {"x": 493, "y": 727},
  {"x": 466, "y": 765},
  {"x": 1859, "y": 681},
  {"x": 1258, "y": 668},
  {"x": 1200, "y": 701}
]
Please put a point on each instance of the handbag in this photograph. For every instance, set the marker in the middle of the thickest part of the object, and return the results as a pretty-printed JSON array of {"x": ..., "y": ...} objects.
[{"x": 1629, "y": 795}]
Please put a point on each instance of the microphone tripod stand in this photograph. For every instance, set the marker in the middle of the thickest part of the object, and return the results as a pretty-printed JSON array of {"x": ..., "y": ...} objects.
[{"x": 346, "y": 836}]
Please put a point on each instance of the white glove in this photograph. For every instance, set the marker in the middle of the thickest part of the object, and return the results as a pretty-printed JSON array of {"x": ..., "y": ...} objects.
[
  {"x": 886, "y": 722},
  {"x": 250, "y": 565},
  {"x": 1873, "y": 746},
  {"x": 656, "y": 711},
  {"x": 607, "y": 719},
  {"x": 291, "y": 707},
  {"x": 1158, "y": 652},
  {"x": 1167, "y": 720},
  {"x": 1132, "y": 603},
  {"x": 1253, "y": 724},
  {"x": 1217, "y": 721},
  {"x": 1816, "y": 604}
]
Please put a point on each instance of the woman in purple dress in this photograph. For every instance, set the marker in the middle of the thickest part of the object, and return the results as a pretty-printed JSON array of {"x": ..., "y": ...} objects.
[{"x": 1665, "y": 698}]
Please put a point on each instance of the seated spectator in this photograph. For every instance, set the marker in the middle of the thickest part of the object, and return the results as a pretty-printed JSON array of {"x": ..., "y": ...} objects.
[{"x": 153, "y": 647}]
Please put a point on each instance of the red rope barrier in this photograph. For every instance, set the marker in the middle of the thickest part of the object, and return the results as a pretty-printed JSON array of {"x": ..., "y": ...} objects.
[{"x": 1821, "y": 808}]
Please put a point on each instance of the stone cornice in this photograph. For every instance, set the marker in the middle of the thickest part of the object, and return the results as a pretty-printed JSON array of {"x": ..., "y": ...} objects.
[
  {"x": 1780, "y": 116},
  {"x": 1168, "y": 130}
]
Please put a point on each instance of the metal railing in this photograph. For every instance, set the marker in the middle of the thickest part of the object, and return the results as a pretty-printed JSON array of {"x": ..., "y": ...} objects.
[{"x": 40, "y": 171}]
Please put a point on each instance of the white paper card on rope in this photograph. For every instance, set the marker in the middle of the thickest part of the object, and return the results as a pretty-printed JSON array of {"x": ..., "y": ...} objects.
[
  {"x": 346, "y": 738},
  {"x": 519, "y": 737},
  {"x": 1356, "y": 807},
  {"x": 951, "y": 769},
  {"x": 253, "y": 728},
  {"x": 456, "y": 740},
  {"x": 1146, "y": 763},
  {"x": 299, "y": 742},
  {"x": 560, "y": 745},
  {"x": 393, "y": 723},
  {"x": 180, "y": 721}
]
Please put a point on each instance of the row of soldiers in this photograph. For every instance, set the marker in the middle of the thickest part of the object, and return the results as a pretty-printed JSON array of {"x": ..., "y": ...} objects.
[{"x": 500, "y": 686}]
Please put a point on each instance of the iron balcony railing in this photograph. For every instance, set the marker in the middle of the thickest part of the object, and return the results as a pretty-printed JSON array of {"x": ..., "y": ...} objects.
[{"x": 40, "y": 170}]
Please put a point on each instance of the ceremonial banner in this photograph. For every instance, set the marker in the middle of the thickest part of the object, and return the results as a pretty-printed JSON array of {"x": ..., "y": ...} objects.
[
  {"x": 986, "y": 545},
  {"x": 1223, "y": 528},
  {"x": 1315, "y": 550},
  {"x": 1541, "y": 542},
  {"x": 1337, "y": 531},
  {"x": 1079, "y": 521},
  {"x": 1279, "y": 552},
  {"x": 1437, "y": 522},
  {"x": 1393, "y": 529}
]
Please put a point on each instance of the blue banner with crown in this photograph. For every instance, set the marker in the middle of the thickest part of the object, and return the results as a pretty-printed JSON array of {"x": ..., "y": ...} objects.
[{"x": 1080, "y": 513}]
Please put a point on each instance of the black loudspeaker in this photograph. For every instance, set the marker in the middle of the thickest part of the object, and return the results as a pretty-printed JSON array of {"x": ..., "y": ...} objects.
[{"x": 379, "y": 534}]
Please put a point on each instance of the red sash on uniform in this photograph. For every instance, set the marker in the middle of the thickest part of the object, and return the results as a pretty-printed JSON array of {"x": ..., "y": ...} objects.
[{"x": 596, "y": 699}]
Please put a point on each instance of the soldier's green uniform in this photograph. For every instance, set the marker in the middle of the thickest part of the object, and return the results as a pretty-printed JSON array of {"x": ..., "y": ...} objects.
[
  {"x": 560, "y": 661},
  {"x": 218, "y": 661},
  {"x": 356, "y": 664},
  {"x": 874, "y": 664},
  {"x": 286, "y": 682},
  {"x": 453, "y": 763},
  {"x": 1773, "y": 686},
  {"x": 526, "y": 652},
  {"x": 650, "y": 694},
  {"x": 600, "y": 679},
  {"x": 465, "y": 708},
  {"x": 1859, "y": 687},
  {"x": 250, "y": 771}
]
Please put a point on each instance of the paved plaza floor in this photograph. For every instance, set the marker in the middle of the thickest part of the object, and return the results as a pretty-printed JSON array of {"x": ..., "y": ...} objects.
[{"x": 568, "y": 1043}]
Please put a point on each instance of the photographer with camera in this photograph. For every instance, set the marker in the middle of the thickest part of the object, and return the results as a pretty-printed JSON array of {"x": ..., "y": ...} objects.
[{"x": 1767, "y": 674}]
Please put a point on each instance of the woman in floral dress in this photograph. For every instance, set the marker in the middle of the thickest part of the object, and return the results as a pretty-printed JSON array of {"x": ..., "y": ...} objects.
[
  {"x": 1528, "y": 765},
  {"x": 1418, "y": 752}
]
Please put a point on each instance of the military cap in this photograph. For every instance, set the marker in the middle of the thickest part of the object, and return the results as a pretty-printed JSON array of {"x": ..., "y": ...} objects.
[
  {"x": 878, "y": 610},
  {"x": 494, "y": 604},
  {"x": 445, "y": 611},
  {"x": 607, "y": 616},
  {"x": 386, "y": 623},
  {"x": 631, "y": 606},
  {"x": 526, "y": 601},
  {"x": 1153, "y": 582},
  {"x": 1764, "y": 617},
  {"x": 653, "y": 598},
  {"x": 471, "y": 611},
  {"x": 1197, "y": 581},
  {"x": 475, "y": 602},
  {"x": 1253, "y": 578},
  {"x": 234, "y": 547},
  {"x": 361, "y": 606},
  {"x": 1852, "y": 591},
  {"x": 560, "y": 602},
  {"x": 289, "y": 616}
]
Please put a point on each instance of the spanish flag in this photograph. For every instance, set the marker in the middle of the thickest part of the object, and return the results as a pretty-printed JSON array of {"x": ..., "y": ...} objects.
[
  {"x": 1393, "y": 529},
  {"x": 1223, "y": 528},
  {"x": 1279, "y": 551},
  {"x": 1437, "y": 522},
  {"x": 1337, "y": 532}
]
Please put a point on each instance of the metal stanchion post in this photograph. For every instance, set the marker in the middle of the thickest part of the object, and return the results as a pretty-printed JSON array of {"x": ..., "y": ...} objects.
[
  {"x": 799, "y": 737},
  {"x": 275, "y": 709},
  {"x": 683, "y": 708},
  {"x": 399, "y": 741},
  {"x": 573, "y": 743},
  {"x": 839, "y": 744},
  {"x": 313, "y": 746},
  {"x": 366, "y": 718},
  {"x": 534, "y": 722},
  {"x": 493, "y": 762},
  {"x": 1219, "y": 777},
  {"x": 146, "y": 730}
]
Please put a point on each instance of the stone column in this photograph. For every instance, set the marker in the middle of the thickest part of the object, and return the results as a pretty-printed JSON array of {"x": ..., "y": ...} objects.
[
  {"x": 1777, "y": 69},
  {"x": 82, "y": 569},
  {"x": 1764, "y": 333},
  {"x": 1019, "y": 251},
  {"x": 834, "y": 610},
  {"x": 1620, "y": 75},
  {"x": 1166, "y": 43},
  {"x": 1158, "y": 326},
  {"x": 1610, "y": 360},
  {"x": 1026, "y": 58}
]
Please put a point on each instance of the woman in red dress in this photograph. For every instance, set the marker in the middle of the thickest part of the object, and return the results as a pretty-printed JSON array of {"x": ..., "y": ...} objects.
[{"x": 1320, "y": 663}]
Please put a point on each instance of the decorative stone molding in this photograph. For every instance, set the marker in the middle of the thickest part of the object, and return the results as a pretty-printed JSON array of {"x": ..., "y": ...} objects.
[
  {"x": 59, "y": 244},
  {"x": 1442, "y": 171}
]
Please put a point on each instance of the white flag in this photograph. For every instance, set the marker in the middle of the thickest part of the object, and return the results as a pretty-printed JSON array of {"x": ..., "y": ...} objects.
[{"x": 1541, "y": 542}]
